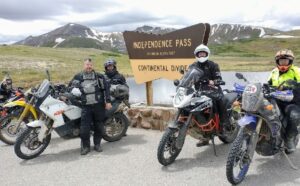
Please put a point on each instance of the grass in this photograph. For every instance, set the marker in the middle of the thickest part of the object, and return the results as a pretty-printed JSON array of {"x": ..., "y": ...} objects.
[{"x": 27, "y": 64}]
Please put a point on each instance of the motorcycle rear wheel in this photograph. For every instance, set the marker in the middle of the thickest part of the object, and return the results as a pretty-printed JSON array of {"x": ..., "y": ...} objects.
[
  {"x": 115, "y": 127},
  {"x": 230, "y": 135}
]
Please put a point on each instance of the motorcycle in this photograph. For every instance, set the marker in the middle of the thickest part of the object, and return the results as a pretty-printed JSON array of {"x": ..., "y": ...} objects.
[
  {"x": 19, "y": 112},
  {"x": 9, "y": 115},
  {"x": 256, "y": 133},
  {"x": 63, "y": 116},
  {"x": 197, "y": 115}
]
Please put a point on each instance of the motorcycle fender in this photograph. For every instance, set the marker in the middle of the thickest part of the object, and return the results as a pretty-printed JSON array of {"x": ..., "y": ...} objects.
[
  {"x": 246, "y": 120},
  {"x": 173, "y": 125},
  {"x": 42, "y": 133},
  {"x": 36, "y": 123},
  {"x": 22, "y": 103}
]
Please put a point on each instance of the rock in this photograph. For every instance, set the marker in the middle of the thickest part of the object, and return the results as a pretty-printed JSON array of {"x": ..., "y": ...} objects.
[
  {"x": 166, "y": 115},
  {"x": 146, "y": 125},
  {"x": 157, "y": 114},
  {"x": 146, "y": 112},
  {"x": 132, "y": 112}
]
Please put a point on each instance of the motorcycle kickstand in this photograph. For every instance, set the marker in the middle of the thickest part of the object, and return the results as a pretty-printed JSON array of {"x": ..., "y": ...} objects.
[
  {"x": 293, "y": 166},
  {"x": 214, "y": 146}
]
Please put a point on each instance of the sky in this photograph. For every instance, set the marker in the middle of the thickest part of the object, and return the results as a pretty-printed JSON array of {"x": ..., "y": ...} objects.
[{"x": 21, "y": 18}]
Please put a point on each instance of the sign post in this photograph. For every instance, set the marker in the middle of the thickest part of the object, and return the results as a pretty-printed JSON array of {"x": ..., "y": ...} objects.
[
  {"x": 149, "y": 93},
  {"x": 163, "y": 56}
]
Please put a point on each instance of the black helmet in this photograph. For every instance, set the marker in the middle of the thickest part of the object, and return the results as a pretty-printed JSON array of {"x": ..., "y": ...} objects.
[{"x": 110, "y": 62}]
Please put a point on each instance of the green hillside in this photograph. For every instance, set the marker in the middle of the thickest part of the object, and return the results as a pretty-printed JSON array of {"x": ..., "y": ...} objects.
[
  {"x": 27, "y": 64},
  {"x": 252, "y": 55}
]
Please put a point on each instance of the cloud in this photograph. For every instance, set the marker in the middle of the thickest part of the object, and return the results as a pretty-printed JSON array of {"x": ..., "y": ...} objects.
[
  {"x": 121, "y": 18},
  {"x": 38, "y": 10},
  {"x": 9, "y": 39}
]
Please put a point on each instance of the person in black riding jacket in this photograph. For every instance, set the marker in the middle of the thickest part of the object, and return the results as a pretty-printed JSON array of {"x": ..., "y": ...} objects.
[
  {"x": 212, "y": 74},
  {"x": 95, "y": 98},
  {"x": 112, "y": 74},
  {"x": 115, "y": 78}
]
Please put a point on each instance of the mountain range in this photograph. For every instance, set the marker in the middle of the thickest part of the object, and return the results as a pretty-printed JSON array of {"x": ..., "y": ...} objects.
[{"x": 80, "y": 36}]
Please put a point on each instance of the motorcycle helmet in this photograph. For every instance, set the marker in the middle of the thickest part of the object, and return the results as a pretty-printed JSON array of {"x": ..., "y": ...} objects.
[
  {"x": 202, "y": 48},
  {"x": 7, "y": 83},
  {"x": 284, "y": 59},
  {"x": 110, "y": 73},
  {"x": 110, "y": 62}
]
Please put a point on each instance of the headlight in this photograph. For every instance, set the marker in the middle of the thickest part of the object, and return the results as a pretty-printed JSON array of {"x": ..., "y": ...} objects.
[{"x": 179, "y": 96}]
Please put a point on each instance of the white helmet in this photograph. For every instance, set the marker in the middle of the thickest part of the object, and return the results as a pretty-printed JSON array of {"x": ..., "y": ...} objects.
[
  {"x": 76, "y": 92},
  {"x": 201, "y": 48}
]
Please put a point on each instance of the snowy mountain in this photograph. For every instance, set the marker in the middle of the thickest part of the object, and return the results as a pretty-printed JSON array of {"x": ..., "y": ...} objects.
[{"x": 75, "y": 35}]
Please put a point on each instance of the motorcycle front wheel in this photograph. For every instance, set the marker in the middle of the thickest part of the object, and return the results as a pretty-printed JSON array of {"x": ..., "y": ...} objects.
[
  {"x": 28, "y": 146},
  {"x": 8, "y": 123},
  {"x": 238, "y": 160},
  {"x": 167, "y": 151}
]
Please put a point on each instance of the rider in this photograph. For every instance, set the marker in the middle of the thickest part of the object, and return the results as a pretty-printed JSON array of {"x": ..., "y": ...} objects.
[
  {"x": 6, "y": 88},
  {"x": 285, "y": 70},
  {"x": 112, "y": 74},
  {"x": 212, "y": 74},
  {"x": 95, "y": 98},
  {"x": 115, "y": 78}
]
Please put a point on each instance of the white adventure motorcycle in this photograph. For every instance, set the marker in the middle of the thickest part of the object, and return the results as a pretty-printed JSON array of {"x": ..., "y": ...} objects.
[{"x": 63, "y": 115}]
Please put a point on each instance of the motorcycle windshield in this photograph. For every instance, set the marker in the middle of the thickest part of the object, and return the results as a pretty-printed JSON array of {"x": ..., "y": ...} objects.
[
  {"x": 191, "y": 77},
  {"x": 43, "y": 89}
]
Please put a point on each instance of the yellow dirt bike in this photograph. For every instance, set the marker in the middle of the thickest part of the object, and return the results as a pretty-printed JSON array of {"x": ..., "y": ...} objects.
[{"x": 18, "y": 113}]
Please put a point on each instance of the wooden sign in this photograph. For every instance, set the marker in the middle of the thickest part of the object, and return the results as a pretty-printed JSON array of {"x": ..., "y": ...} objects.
[{"x": 162, "y": 56}]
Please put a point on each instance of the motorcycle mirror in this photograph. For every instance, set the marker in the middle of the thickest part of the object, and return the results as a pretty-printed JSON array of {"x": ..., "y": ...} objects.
[
  {"x": 48, "y": 74},
  {"x": 181, "y": 71},
  {"x": 239, "y": 75},
  {"x": 176, "y": 82}
]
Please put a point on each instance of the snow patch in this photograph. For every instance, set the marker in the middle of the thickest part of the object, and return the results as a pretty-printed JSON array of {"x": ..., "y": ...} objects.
[
  {"x": 280, "y": 36},
  {"x": 262, "y": 32},
  {"x": 213, "y": 31},
  {"x": 58, "y": 41},
  {"x": 235, "y": 38},
  {"x": 95, "y": 32},
  {"x": 92, "y": 37},
  {"x": 226, "y": 30},
  {"x": 71, "y": 24}
]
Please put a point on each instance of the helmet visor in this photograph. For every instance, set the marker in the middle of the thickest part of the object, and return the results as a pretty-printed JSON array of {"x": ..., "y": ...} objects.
[
  {"x": 202, "y": 54},
  {"x": 283, "y": 62}
]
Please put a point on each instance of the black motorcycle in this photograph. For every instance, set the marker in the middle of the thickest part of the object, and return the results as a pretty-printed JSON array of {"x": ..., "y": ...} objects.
[{"x": 197, "y": 115}]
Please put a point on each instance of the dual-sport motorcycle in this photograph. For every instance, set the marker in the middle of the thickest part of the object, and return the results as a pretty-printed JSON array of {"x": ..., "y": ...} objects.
[
  {"x": 20, "y": 110},
  {"x": 256, "y": 133},
  {"x": 63, "y": 115},
  {"x": 197, "y": 115}
]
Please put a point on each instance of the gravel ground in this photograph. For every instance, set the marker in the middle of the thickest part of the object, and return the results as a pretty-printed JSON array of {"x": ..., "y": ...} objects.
[{"x": 132, "y": 161}]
